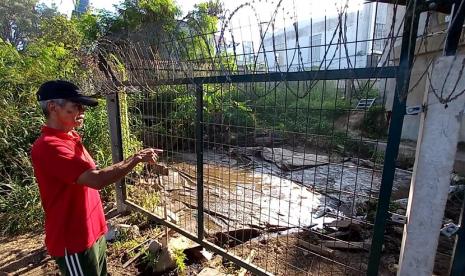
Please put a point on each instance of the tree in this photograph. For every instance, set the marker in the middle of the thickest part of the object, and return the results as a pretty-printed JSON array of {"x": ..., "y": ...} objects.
[
  {"x": 202, "y": 24},
  {"x": 90, "y": 25},
  {"x": 61, "y": 30},
  {"x": 133, "y": 13},
  {"x": 19, "y": 20}
]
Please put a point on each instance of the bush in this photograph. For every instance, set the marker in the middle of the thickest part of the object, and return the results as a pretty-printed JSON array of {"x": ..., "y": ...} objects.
[
  {"x": 374, "y": 123},
  {"x": 96, "y": 135},
  {"x": 175, "y": 113}
]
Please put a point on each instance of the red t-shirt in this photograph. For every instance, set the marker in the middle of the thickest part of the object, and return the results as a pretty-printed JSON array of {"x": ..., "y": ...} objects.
[{"x": 74, "y": 217}]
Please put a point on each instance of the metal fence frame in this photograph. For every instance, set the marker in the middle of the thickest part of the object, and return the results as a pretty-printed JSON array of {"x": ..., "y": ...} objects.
[{"x": 402, "y": 75}]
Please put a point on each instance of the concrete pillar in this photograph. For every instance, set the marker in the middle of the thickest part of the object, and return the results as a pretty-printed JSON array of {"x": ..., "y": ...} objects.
[
  {"x": 116, "y": 146},
  {"x": 435, "y": 154}
]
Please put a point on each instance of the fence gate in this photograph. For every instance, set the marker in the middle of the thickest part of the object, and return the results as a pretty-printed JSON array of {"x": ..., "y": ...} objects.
[{"x": 273, "y": 164}]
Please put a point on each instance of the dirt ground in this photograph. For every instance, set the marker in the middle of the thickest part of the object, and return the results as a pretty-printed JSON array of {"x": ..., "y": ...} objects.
[
  {"x": 280, "y": 255},
  {"x": 25, "y": 255}
]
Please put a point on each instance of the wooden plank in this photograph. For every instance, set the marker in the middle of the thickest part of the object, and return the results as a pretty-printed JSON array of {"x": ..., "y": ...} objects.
[
  {"x": 320, "y": 249},
  {"x": 346, "y": 245}
]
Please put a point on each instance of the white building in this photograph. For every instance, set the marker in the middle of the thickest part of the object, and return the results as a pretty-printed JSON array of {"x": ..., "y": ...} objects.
[
  {"x": 245, "y": 53},
  {"x": 320, "y": 44}
]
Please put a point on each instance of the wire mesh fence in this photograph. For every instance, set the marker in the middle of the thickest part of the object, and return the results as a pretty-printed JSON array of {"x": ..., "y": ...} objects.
[{"x": 273, "y": 128}]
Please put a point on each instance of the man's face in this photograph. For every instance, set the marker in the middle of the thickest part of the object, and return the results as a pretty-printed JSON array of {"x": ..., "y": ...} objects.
[{"x": 69, "y": 115}]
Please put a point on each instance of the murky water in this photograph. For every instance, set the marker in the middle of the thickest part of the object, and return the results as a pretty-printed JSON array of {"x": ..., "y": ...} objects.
[{"x": 266, "y": 195}]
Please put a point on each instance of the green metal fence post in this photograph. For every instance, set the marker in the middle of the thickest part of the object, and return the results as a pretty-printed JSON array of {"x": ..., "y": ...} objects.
[
  {"x": 114, "y": 122},
  {"x": 199, "y": 152},
  {"x": 395, "y": 130}
]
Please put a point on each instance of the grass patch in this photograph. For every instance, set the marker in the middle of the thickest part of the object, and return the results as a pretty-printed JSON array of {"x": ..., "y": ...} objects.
[{"x": 21, "y": 210}]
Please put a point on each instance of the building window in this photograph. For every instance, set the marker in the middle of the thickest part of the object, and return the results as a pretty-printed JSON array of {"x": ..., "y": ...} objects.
[
  {"x": 373, "y": 60},
  {"x": 379, "y": 36},
  {"x": 314, "y": 53}
]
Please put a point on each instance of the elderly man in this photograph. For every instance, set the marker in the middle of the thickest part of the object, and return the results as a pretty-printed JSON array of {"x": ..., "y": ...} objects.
[{"x": 69, "y": 181}]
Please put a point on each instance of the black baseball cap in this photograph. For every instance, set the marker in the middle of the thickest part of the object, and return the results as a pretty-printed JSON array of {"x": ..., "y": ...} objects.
[{"x": 61, "y": 89}]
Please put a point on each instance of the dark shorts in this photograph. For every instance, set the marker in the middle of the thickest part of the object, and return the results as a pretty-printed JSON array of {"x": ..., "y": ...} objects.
[{"x": 92, "y": 261}]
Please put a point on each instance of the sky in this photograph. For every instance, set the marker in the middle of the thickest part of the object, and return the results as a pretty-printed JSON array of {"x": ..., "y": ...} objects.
[{"x": 66, "y": 6}]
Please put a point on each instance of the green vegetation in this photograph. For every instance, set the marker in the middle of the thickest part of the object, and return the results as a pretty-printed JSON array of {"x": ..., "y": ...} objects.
[
  {"x": 38, "y": 44},
  {"x": 374, "y": 123},
  {"x": 21, "y": 210},
  {"x": 180, "y": 260},
  {"x": 150, "y": 259},
  {"x": 22, "y": 70},
  {"x": 294, "y": 107}
]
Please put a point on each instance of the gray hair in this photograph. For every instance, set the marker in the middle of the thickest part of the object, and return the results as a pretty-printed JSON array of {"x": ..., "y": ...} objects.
[{"x": 44, "y": 104}]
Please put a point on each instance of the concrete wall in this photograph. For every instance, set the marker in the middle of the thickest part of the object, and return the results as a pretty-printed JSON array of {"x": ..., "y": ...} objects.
[{"x": 430, "y": 48}]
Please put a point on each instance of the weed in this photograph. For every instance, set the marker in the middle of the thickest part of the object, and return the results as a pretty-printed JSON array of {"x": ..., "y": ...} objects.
[
  {"x": 150, "y": 259},
  {"x": 180, "y": 260},
  {"x": 124, "y": 245},
  {"x": 136, "y": 218}
]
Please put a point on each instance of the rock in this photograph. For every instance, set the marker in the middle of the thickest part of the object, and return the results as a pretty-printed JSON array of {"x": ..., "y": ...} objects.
[
  {"x": 181, "y": 243},
  {"x": 155, "y": 247},
  {"x": 347, "y": 245},
  {"x": 398, "y": 218},
  {"x": 165, "y": 261},
  {"x": 368, "y": 163},
  {"x": 119, "y": 230},
  {"x": 315, "y": 248},
  {"x": 198, "y": 254},
  {"x": 278, "y": 250}
]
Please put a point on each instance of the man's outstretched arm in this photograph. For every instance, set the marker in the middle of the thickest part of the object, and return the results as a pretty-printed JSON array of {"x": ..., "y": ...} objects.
[{"x": 98, "y": 179}]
